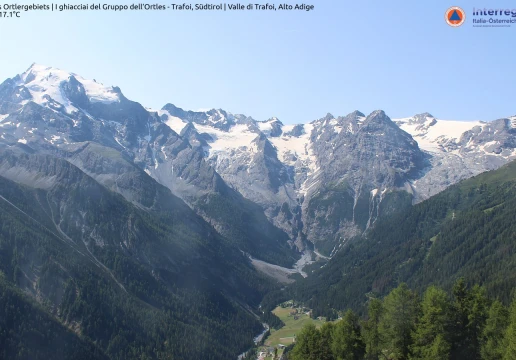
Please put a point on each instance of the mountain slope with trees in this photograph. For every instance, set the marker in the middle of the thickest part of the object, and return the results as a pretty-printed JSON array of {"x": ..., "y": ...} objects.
[
  {"x": 463, "y": 325},
  {"x": 135, "y": 282},
  {"x": 466, "y": 231}
]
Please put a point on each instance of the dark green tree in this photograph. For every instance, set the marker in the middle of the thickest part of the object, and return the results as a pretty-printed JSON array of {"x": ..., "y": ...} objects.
[
  {"x": 326, "y": 341},
  {"x": 431, "y": 337},
  {"x": 509, "y": 342},
  {"x": 308, "y": 344},
  {"x": 494, "y": 331},
  {"x": 470, "y": 313},
  {"x": 371, "y": 330},
  {"x": 398, "y": 322},
  {"x": 347, "y": 339}
]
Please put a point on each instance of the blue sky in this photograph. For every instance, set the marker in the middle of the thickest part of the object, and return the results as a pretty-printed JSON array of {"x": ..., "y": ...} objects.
[{"x": 399, "y": 56}]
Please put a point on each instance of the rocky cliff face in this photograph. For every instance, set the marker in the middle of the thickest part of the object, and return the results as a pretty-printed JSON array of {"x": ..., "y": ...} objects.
[{"x": 363, "y": 164}]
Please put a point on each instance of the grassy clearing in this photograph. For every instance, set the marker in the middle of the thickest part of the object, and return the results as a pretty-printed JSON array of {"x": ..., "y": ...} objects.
[{"x": 286, "y": 334}]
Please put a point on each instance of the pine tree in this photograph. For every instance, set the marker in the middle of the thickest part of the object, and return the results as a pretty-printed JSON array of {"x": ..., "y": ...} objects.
[
  {"x": 509, "y": 343},
  {"x": 347, "y": 340},
  {"x": 492, "y": 336},
  {"x": 308, "y": 342},
  {"x": 439, "y": 350},
  {"x": 326, "y": 341},
  {"x": 460, "y": 317},
  {"x": 371, "y": 330},
  {"x": 470, "y": 313},
  {"x": 431, "y": 339},
  {"x": 477, "y": 316},
  {"x": 398, "y": 322}
]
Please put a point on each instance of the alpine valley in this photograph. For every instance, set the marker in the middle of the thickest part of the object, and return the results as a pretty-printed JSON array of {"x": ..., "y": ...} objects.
[{"x": 129, "y": 233}]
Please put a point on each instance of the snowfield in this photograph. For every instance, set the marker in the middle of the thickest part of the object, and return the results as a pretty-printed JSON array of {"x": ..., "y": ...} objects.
[{"x": 433, "y": 133}]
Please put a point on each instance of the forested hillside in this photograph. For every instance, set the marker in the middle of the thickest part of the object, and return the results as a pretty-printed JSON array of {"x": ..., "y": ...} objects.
[
  {"x": 28, "y": 332},
  {"x": 114, "y": 280},
  {"x": 463, "y": 325},
  {"x": 468, "y": 230}
]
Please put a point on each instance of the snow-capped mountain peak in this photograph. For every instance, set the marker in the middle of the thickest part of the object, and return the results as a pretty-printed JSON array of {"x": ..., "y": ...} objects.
[
  {"x": 272, "y": 127},
  {"x": 49, "y": 85}
]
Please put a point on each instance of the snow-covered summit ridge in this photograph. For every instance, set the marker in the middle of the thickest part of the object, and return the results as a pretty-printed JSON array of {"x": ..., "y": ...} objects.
[
  {"x": 44, "y": 82},
  {"x": 227, "y": 131},
  {"x": 434, "y": 135}
]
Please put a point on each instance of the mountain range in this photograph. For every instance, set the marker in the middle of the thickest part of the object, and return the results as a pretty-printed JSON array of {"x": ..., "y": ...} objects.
[
  {"x": 162, "y": 213},
  {"x": 318, "y": 184}
]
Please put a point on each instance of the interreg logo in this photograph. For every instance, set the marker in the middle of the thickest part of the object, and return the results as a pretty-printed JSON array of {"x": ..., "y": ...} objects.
[
  {"x": 493, "y": 17},
  {"x": 455, "y": 16}
]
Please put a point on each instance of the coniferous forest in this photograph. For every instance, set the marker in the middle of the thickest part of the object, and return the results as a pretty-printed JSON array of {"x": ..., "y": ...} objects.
[
  {"x": 464, "y": 324},
  {"x": 62, "y": 300}
]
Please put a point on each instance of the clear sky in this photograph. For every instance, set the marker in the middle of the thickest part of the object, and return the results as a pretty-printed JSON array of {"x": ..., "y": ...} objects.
[{"x": 399, "y": 56}]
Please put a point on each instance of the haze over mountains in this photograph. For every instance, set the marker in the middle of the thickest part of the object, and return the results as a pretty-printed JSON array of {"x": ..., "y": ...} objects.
[
  {"x": 321, "y": 182},
  {"x": 131, "y": 206}
]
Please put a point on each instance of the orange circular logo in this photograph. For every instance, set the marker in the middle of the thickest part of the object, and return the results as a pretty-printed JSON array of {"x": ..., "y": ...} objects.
[{"x": 455, "y": 16}]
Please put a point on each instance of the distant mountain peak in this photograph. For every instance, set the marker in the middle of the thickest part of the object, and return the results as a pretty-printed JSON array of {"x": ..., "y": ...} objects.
[
  {"x": 328, "y": 117},
  {"x": 378, "y": 117},
  {"x": 358, "y": 113},
  {"x": 274, "y": 119},
  {"x": 425, "y": 114}
]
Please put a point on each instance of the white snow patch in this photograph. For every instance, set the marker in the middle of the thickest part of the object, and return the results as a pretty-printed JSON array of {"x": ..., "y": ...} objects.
[
  {"x": 291, "y": 145},
  {"x": 288, "y": 128},
  {"x": 22, "y": 140},
  {"x": 97, "y": 92},
  {"x": 56, "y": 139},
  {"x": 119, "y": 143},
  {"x": 163, "y": 152},
  {"x": 265, "y": 126},
  {"x": 174, "y": 122},
  {"x": 239, "y": 136},
  {"x": 374, "y": 192},
  {"x": 513, "y": 122}
]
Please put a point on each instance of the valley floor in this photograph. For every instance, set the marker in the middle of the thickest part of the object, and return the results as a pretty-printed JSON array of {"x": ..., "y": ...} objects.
[{"x": 287, "y": 334}]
